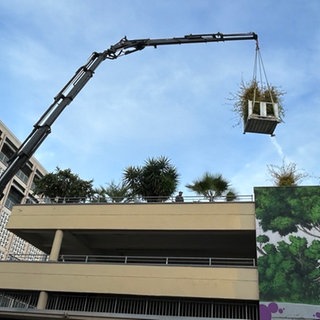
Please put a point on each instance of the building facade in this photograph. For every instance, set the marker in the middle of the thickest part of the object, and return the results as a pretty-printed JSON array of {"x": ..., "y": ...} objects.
[
  {"x": 19, "y": 190},
  {"x": 134, "y": 261}
]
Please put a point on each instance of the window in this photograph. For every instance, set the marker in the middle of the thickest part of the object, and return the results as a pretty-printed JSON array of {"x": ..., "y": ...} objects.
[{"x": 14, "y": 197}]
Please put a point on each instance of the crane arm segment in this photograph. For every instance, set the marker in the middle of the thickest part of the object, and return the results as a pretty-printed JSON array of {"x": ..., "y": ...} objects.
[
  {"x": 42, "y": 128},
  {"x": 125, "y": 46}
]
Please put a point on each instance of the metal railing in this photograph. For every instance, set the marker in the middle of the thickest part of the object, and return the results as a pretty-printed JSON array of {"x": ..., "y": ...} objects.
[
  {"x": 154, "y": 199},
  {"x": 152, "y": 306},
  {"x": 154, "y": 260},
  {"x": 10, "y": 203},
  {"x": 149, "y": 307},
  {"x": 140, "y": 260},
  {"x": 27, "y": 257},
  {"x": 3, "y": 158},
  {"x": 19, "y": 300},
  {"x": 22, "y": 176}
]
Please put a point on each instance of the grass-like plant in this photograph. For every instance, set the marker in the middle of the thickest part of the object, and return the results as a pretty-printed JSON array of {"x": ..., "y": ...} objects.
[{"x": 255, "y": 92}]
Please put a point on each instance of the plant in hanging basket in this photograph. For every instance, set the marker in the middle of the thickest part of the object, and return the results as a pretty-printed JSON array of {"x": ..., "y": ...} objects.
[{"x": 257, "y": 93}]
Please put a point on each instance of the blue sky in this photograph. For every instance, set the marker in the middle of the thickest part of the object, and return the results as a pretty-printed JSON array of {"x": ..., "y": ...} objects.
[{"x": 173, "y": 101}]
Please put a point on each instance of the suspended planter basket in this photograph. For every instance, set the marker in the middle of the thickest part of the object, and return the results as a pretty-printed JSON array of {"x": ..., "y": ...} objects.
[
  {"x": 263, "y": 111},
  {"x": 259, "y": 104},
  {"x": 262, "y": 121}
]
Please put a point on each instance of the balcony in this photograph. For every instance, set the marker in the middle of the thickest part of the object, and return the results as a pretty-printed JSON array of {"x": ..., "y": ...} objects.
[
  {"x": 138, "y": 278},
  {"x": 225, "y": 229},
  {"x": 82, "y": 287},
  {"x": 22, "y": 305}
]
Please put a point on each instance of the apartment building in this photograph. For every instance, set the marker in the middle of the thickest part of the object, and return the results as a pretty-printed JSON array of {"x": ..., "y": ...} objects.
[
  {"x": 189, "y": 260},
  {"x": 19, "y": 190}
]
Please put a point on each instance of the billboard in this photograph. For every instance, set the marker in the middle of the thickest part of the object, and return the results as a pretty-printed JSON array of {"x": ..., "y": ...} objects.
[{"x": 288, "y": 245}]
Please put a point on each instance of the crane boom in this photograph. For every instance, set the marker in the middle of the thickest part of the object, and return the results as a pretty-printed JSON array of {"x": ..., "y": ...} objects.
[{"x": 42, "y": 127}]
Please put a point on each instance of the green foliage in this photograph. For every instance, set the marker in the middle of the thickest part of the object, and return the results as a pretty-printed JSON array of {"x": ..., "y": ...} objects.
[
  {"x": 288, "y": 209},
  {"x": 289, "y": 272},
  {"x": 117, "y": 192},
  {"x": 231, "y": 196},
  {"x": 64, "y": 185},
  {"x": 286, "y": 174},
  {"x": 255, "y": 92},
  {"x": 263, "y": 239},
  {"x": 211, "y": 186},
  {"x": 99, "y": 195},
  {"x": 156, "y": 181}
]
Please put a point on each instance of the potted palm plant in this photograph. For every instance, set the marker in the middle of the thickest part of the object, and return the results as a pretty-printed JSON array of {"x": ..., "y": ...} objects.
[{"x": 212, "y": 186}]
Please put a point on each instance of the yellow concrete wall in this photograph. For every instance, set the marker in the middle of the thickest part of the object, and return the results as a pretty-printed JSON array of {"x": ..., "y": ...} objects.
[
  {"x": 228, "y": 283},
  {"x": 168, "y": 216}
]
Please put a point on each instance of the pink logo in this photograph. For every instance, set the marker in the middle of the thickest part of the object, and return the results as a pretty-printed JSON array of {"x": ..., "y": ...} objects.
[{"x": 267, "y": 311}]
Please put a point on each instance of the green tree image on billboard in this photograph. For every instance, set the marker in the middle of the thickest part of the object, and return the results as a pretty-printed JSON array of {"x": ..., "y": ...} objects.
[
  {"x": 287, "y": 210},
  {"x": 288, "y": 245},
  {"x": 287, "y": 269}
]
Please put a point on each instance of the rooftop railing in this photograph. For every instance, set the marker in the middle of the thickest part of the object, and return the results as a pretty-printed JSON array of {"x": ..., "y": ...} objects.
[{"x": 153, "y": 199}]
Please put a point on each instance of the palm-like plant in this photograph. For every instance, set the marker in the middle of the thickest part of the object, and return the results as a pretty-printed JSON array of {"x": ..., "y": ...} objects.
[
  {"x": 211, "y": 186},
  {"x": 156, "y": 181},
  {"x": 117, "y": 192},
  {"x": 99, "y": 195}
]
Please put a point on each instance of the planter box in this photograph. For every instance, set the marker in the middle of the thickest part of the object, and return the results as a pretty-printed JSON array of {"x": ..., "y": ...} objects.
[{"x": 263, "y": 117}]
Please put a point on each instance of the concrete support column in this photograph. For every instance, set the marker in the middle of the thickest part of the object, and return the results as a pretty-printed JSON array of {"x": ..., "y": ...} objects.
[
  {"x": 55, "y": 250},
  {"x": 54, "y": 255},
  {"x": 42, "y": 300}
]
